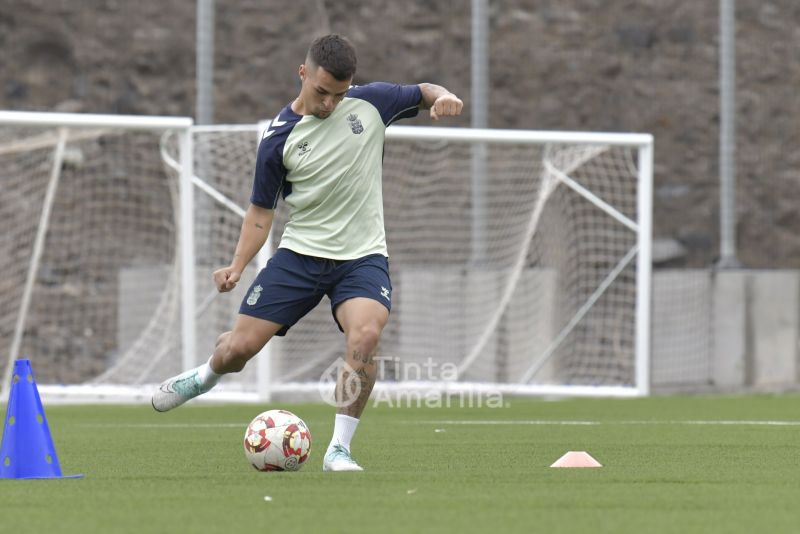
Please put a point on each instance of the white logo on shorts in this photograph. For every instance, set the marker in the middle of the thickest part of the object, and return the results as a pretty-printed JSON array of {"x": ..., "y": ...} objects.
[
  {"x": 385, "y": 293},
  {"x": 254, "y": 294}
]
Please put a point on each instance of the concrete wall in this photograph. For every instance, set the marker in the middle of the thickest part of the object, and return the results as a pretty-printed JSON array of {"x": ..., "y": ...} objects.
[
  {"x": 711, "y": 331},
  {"x": 748, "y": 341}
]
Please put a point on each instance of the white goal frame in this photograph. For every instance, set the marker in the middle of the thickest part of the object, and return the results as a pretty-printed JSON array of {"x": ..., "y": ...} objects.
[
  {"x": 182, "y": 125},
  {"x": 265, "y": 388},
  {"x": 643, "y": 228}
]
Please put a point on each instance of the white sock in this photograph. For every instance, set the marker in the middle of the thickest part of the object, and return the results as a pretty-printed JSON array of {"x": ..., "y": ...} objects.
[
  {"x": 343, "y": 430},
  {"x": 207, "y": 376}
]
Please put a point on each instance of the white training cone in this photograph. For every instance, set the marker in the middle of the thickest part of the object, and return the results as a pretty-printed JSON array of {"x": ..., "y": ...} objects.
[{"x": 576, "y": 459}]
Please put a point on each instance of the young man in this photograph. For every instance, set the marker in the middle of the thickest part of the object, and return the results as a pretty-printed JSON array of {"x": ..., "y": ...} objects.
[{"x": 323, "y": 153}]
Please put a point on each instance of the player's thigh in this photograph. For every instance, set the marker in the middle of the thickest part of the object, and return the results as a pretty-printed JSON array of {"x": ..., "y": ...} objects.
[
  {"x": 250, "y": 334},
  {"x": 361, "y": 299},
  {"x": 359, "y": 313},
  {"x": 284, "y": 291}
]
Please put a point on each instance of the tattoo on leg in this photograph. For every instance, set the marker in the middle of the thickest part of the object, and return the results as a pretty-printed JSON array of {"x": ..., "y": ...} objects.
[
  {"x": 353, "y": 390},
  {"x": 363, "y": 357}
]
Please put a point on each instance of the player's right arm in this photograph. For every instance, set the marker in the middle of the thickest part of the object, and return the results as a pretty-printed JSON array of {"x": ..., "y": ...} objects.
[
  {"x": 269, "y": 182},
  {"x": 255, "y": 229}
]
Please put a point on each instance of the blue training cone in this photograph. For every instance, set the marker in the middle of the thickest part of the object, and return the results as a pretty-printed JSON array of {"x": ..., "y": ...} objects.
[{"x": 27, "y": 449}]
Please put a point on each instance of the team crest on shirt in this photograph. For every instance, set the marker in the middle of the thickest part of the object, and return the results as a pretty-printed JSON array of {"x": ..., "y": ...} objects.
[
  {"x": 355, "y": 124},
  {"x": 302, "y": 148},
  {"x": 254, "y": 295}
]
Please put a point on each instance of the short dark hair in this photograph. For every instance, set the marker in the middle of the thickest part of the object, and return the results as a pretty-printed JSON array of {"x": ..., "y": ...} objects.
[{"x": 335, "y": 54}]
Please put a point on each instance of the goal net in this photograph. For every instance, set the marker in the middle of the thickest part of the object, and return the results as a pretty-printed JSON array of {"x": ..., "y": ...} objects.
[
  {"x": 90, "y": 248},
  {"x": 520, "y": 261}
]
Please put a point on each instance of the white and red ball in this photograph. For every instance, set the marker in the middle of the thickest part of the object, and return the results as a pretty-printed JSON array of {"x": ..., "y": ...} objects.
[{"x": 277, "y": 440}]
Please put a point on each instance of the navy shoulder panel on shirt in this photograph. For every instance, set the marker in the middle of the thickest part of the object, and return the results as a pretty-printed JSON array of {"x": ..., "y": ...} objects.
[
  {"x": 270, "y": 174},
  {"x": 392, "y": 101}
]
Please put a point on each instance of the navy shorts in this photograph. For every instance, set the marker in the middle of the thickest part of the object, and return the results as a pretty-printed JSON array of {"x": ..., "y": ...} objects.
[{"x": 292, "y": 284}]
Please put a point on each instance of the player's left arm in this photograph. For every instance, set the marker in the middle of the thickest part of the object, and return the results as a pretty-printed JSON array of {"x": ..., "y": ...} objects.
[{"x": 439, "y": 100}]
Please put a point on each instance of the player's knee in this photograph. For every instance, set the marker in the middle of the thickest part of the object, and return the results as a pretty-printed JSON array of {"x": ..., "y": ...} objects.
[
  {"x": 364, "y": 337},
  {"x": 223, "y": 338}
]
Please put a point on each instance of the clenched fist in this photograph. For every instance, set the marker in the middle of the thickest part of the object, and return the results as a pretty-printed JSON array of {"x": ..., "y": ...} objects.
[
  {"x": 225, "y": 279},
  {"x": 446, "y": 105}
]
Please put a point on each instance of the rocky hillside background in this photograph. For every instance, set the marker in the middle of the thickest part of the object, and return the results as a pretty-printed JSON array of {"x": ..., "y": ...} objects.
[{"x": 605, "y": 65}]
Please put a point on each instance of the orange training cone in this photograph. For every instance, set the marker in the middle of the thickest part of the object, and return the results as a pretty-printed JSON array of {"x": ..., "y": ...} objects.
[{"x": 576, "y": 459}]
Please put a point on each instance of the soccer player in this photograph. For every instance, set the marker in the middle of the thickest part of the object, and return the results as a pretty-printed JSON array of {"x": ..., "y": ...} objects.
[{"x": 323, "y": 153}]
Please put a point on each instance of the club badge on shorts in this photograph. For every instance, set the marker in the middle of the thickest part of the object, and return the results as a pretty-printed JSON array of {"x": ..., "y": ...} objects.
[{"x": 254, "y": 295}]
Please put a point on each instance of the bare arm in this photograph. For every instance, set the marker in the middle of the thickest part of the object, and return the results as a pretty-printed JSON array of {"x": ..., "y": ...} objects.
[
  {"x": 255, "y": 229},
  {"x": 439, "y": 100}
]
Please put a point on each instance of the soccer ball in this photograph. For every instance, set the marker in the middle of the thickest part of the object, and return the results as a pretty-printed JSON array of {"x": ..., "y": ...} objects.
[{"x": 277, "y": 440}]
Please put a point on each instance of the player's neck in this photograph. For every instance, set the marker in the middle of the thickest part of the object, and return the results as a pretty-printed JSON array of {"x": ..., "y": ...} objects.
[{"x": 298, "y": 106}]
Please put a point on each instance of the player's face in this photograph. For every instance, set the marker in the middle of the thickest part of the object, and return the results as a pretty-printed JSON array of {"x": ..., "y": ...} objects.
[{"x": 321, "y": 91}]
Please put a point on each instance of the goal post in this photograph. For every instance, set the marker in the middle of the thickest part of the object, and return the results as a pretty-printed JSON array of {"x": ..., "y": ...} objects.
[
  {"x": 80, "y": 193},
  {"x": 638, "y": 175},
  {"x": 552, "y": 299}
]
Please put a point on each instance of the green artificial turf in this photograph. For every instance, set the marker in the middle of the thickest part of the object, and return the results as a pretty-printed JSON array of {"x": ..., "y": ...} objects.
[{"x": 670, "y": 464}]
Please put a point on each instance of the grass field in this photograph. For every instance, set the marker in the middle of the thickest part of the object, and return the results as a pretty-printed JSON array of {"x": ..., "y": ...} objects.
[{"x": 671, "y": 464}]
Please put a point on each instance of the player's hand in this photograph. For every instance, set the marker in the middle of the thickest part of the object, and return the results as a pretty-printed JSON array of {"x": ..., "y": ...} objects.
[
  {"x": 446, "y": 106},
  {"x": 225, "y": 279}
]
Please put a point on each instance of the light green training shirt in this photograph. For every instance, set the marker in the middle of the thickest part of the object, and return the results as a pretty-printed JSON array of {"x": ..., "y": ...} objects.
[{"x": 329, "y": 172}]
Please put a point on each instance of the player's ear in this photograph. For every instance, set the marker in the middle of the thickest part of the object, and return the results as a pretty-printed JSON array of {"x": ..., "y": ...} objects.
[{"x": 302, "y": 72}]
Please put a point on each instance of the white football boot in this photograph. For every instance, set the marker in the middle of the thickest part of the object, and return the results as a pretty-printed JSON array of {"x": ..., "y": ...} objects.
[
  {"x": 177, "y": 390},
  {"x": 339, "y": 459}
]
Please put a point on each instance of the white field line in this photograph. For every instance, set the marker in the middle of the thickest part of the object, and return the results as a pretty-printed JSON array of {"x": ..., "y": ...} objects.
[
  {"x": 463, "y": 422},
  {"x": 598, "y": 423}
]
